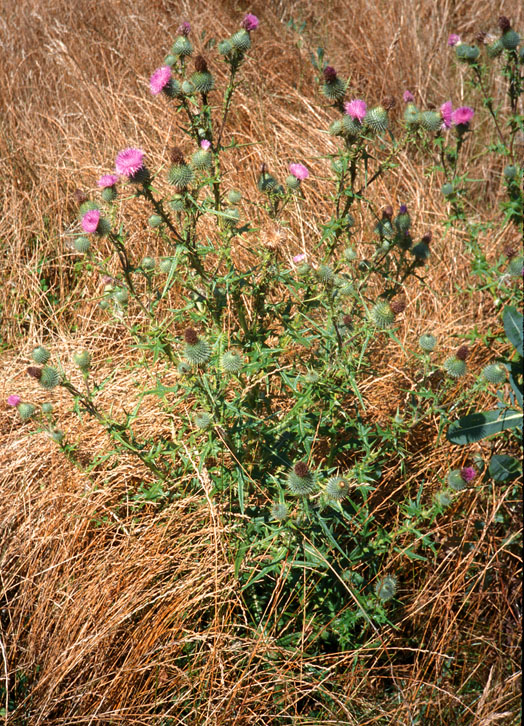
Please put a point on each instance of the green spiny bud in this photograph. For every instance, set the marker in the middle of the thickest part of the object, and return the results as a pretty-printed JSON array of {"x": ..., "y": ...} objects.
[
  {"x": 231, "y": 362},
  {"x": 187, "y": 88},
  {"x": 279, "y": 511},
  {"x": 203, "y": 82},
  {"x": 381, "y": 314},
  {"x": 82, "y": 359},
  {"x": 201, "y": 159},
  {"x": 182, "y": 47},
  {"x": 467, "y": 53},
  {"x": 40, "y": 355},
  {"x": 515, "y": 266},
  {"x": 82, "y": 244},
  {"x": 311, "y": 377},
  {"x": 494, "y": 373},
  {"x": 351, "y": 128},
  {"x": 325, "y": 274},
  {"x": 402, "y": 221},
  {"x": 103, "y": 304},
  {"x": 122, "y": 296},
  {"x": 108, "y": 194},
  {"x": 155, "y": 220},
  {"x": 170, "y": 60},
  {"x": 234, "y": 196},
  {"x": 196, "y": 351},
  {"x": 87, "y": 207},
  {"x": 337, "y": 488},
  {"x": 454, "y": 367},
  {"x": 431, "y": 120},
  {"x": 177, "y": 204},
  {"x": 510, "y": 39},
  {"x": 25, "y": 410},
  {"x": 510, "y": 172},
  {"x": 447, "y": 189},
  {"x": 495, "y": 49},
  {"x": 292, "y": 182},
  {"x": 427, "y": 342},
  {"x": 376, "y": 119},
  {"x": 180, "y": 176},
  {"x": 386, "y": 588},
  {"x": 443, "y": 499},
  {"x": 350, "y": 254},
  {"x": 241, "y": 40},
  {"x": 57, "y": 435},
  {"x": 166, "y": 265},
  {"x": 202, "y": 420},
  {"x": 47, "y": 408},
  {"x": 300, "y": 481},
  {"x": 334, "y": 90},
  {"x": 412, "y": 115},
  {"x": 336, "y": 128},
  {"x": 148, "y": 264},
  {"x": 456, "y": 481},
  {"x": 49, "y": 377},
  {"x": 225, "y": 47}
]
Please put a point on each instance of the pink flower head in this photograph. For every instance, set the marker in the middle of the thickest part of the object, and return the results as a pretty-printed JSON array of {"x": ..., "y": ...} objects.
[
  {"x": 90, "y": 221},
  {"x": 299, "y": 171},
  {"x": 446, "y": 111},
  {"x": 453, "y": 39},
  {"x": 356, "y": 109},
  {"x": 205, "y": 144},
  {"x": 299, "y": 258},
  {"x": 159, "y": 80},
  {"x": 462, "y": 116},
  {"x": 129, "y": 162},
  {"x": 13, "y": 400},
  {"x": 408, "y": 97},
  {"x": 468, "y": 473},
  {"x": 184, "y": 28},
  {"x": 250, "y": 22},
  {"x": 108, "y": 180}
]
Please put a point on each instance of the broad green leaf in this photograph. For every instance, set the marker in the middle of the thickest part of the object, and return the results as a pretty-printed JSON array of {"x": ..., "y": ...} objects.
[
  {"x": 512, "y": 320},
  {"x": 478, "y": 426},
  {"x": 504, "y": 468}
]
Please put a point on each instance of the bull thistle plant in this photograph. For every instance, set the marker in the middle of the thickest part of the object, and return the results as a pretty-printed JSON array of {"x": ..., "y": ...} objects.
[{"x": 268, "y": 352}]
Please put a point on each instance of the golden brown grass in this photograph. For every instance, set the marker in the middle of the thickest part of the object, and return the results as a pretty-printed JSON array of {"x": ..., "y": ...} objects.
[{"x": 105, "y": 613}]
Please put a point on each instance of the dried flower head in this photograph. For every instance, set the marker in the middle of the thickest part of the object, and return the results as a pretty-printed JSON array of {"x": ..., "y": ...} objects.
[
  {"x": 190, "y": 336},
  {"x": 301, "y": 469},
  {"x": 177, "y": 156},
  {"x": 398, "y": 306},
  {"x": 462, "y": 353},
  {"x": 80, "y": 196},
  {"x": 200, "y": 64},
  {"x": 389, "y": 102},
  {"x": 504, "y": 23},
  {"x": 387, "y": 212}
]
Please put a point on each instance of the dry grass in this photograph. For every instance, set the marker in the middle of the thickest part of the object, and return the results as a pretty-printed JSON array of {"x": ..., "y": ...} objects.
[{"x": 114, "y": 618}]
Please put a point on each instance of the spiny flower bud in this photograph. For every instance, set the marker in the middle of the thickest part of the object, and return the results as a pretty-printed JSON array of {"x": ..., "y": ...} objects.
[
  {"x": 510, "y": 40},
  {"x": 122, "y": 296},
  {"x": 202, "y": 420},
  {"x": 300, "y": 480},
  {"x": 325, "y": 274},
  {"x": 386, "y": 588},
  {"x": 231, "y": 362},
  {"x": 337, "y": 488},
  {"x": 47, "y": 376},
  {"x": 279, "y": 511},
  {"x": 155, "y": 220},
  {"x": 402, "y": 220},
  {"x": 182, "y": 47},
  {"x": 456, "y": 481},
  {"x": 47, "y": 408},
  {"x": 82, "y": 245},
  {"x": 447, "y": 189},
  {"x": 430, "y": 120},
  {"x": 82, "y": 358},
  {"x": 443, "y": 499},
  {"x": 333, "y": 88},
  {"x": 202, "y": 79},
  {"x": 196, "y": 351},
  {"x": 494, "y": 373},
  {"x": 427, "y": 342},
  {"x": 241, "y": 40},
  {"x": 381, "y": 314},
  {"x": 25, "y": 410},
  {"x": 455, "y": 367},
  {"x": 495, "y": 49},
  {"x": 180, "y": 174},
  {"x": 376, "y": 119},
  {"x": 148, "y": 264},
  {"x": 467, "y": 53},
  {"x": 40, "y": 355},
  {"x": 57, "y": 435},
  {"x": 166, "y": 265},
  {"x": 412, "y": 116}
]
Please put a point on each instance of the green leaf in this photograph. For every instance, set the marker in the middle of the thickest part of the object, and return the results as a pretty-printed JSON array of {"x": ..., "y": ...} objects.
[
  {"x": 504, "y": 468},
  {"x": 512, "y": 320},
  {"x": 478, "y": 426}
]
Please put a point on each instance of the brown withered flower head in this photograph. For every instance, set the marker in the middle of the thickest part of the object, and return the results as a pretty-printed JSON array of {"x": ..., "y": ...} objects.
[
  {"x": 510, "y": 252},
  {"x": 462, "y": 353},
  {"x": 200, "y": 64},
  {"x": 347, "y": 320},
  {"x": 177, "y": 155},
  {"x": 427, "y": 238},
  {"x": 80, "y": 196},
  {"x": 301, "y": 469},
  {"x": 329, "y": 74},
  {"x": 389, "y": 102},
  {"x": 190, "y": 336},
  {"x": 34, "y": 372},
  {"x": 387, "y": 212},
  {"x": 504, "y": 23},
  {"x": 398, "y": 306}
]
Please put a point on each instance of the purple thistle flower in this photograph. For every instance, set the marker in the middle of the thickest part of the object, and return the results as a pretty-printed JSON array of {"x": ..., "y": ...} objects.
[
  {"x": 90, "y": 221},
  {"x": 462, "y": 116},
  {"x": 129, "y": 162},
  {"x": 446, "y": 111},
  {"x": 299, "y": 258},
  {"x": 205, "y": 144},
  {"x": 299, "y": 171},
  {"x": 453, "y": 40},
  {"x": 108, "y": 180},
  {"x": 403, "y": 209},
  {"x": 356, "y": 108},
  {"x": 408, "y": 97},
  {"x": 250, "y": 22},
  {"x": 160, "y": 79},
  {"x": 184, "y": 29},
  {"x": 468, "y": 473},
  {"x": 13, "y": 400}
]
